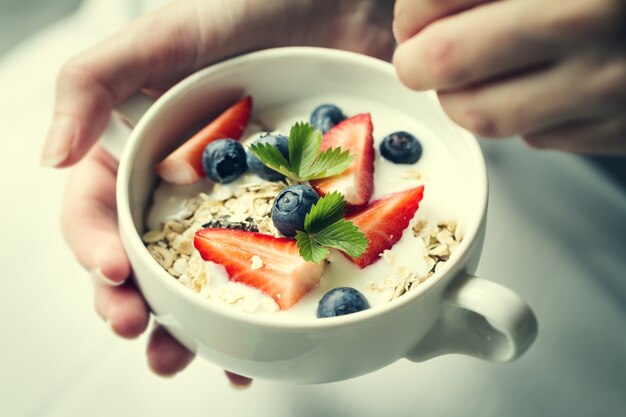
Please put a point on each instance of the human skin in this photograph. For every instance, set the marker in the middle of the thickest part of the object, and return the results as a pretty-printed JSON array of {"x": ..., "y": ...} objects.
[
  {"x": 151, "y": 54},
  {"x": 553, "y": 72}
]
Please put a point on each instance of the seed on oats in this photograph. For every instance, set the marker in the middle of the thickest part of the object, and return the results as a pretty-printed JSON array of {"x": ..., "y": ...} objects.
[
  {"x": 225, "y": 222},
  {"x": 180, "y": 265},
  {"x": 256, "y": 262},
  {"x": 412, "y": 174},
  {"x": 182, "y": 245},
  {"x": 162, "y": 255},
  {"x": 174, "y": 226},
  {"x": 261, "y": 207},
  {"x": 439, "y": 266},
  {"x": 430, "y": 263},
  {"x": 439, "y": 250},
  {"x": 397, "y": 292},
  {"x": 425, "y": 277},
  {"x": 444, "y": 236},
  {"x": 453, "y": 246},
  {"x": 389, "y": 257},
  {"x": 173, "y": 272},
  {"x": 391, "y": 282},
  {"x": 403, "y": 272},
  {"x": 239, "y": 191},
  {"x": 153, "y": 236},
  {"x": 419, "y": 227},
  {"x": 221, "y": 193},
  {"x": 252, "y": 186}
]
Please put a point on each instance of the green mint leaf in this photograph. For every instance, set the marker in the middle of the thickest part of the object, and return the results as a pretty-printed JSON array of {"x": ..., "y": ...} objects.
[
  {"x": 328, "y": 210},
  {"x": 271, "y": 157},
  {"x": 345, "y": 236},
  {"x": 304, "y": 145},
  {"x": 309, "y": 248},
  {"x": 325, "y": 227},
  {"x": 329, "y": 163},
  {"x": 306, "y": 162}
]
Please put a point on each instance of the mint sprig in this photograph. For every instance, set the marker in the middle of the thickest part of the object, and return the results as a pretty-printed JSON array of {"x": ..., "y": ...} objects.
[
  {"x": 306, "y": 161},
  {"x": 325, "y": 227}
]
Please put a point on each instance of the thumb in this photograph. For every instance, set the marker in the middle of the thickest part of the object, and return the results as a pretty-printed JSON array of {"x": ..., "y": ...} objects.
[{"x": 153, "y": 52}]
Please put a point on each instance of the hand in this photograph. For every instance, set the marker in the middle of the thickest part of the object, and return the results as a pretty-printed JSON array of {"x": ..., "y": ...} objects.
[
  {"x": 552, "y": 72},
  {"x": 152, "y": 54}
]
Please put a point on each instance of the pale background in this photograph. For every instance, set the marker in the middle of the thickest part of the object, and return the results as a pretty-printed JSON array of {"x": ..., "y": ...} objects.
[{"x": 556, "y": 235}]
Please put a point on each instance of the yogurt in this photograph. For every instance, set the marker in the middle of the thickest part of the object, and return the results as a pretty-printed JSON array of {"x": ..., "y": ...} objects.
[{"x": 444, "y": 198}]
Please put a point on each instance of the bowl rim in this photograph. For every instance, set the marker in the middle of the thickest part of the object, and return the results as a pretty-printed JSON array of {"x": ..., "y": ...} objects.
[{"x": 132, "y": 240}]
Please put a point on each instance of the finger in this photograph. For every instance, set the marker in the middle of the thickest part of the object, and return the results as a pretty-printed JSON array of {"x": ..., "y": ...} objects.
[
  {"x": 238, "y": 381},
  {"x": 166, "y": 356},
  {"x": 123, "y": 307},
  {"x": 155, "y": 51},
  {"x": 539, "y": 100},
  {"x": 89, "y": 219},
  {"x": 411, "y": 16},
  {"x": 474, "y": 46},
  {"x": 606, "y": 136}
]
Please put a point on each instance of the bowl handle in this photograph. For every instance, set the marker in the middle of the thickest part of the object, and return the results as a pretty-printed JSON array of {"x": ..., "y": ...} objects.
[
  {"x": 479, "y": 318},
  {"x": 125, "y": 115}
]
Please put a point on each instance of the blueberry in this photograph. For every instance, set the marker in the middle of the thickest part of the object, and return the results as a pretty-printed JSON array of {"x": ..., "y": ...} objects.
[
  {"x": 326, "y": 116},
  {"x": 224, "y": 160},
  {"x": 291, "y": 206},
  {"x": 341, "y": 301},
  {"x": 254, "y": 163},
  {"x": 401, "y": 148}
]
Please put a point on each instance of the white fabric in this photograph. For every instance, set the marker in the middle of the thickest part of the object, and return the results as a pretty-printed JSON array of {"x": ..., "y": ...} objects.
[{"x": 556, "y": 235}]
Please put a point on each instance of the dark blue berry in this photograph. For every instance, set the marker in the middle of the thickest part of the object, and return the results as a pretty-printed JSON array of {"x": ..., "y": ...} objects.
[
  {"x": 256, "y": 166},
  {"x": 341, "y": 301},
  {"x": 291, "y": 206},
  {"x": 326, "y": 116},
  {"x": 224, "y": 160},
  {"x": 401, "y": 148}
]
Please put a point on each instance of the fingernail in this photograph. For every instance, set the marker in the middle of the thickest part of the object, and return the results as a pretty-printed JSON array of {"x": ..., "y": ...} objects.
[
  {"x": 100, "y": 278},
  {"x": 59, "y": 142}
]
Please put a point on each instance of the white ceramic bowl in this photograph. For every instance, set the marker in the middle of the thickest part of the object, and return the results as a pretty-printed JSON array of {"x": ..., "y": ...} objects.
[{"x": 452, "y": 312}]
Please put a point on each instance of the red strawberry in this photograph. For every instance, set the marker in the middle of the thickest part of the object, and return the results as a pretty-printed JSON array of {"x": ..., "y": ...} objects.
[
  {"x": 284, "y": 275},
  {"x": 383, "y": 222},
  {"x": 357, "y": 182},
  {"x": 184, "y": 165}
]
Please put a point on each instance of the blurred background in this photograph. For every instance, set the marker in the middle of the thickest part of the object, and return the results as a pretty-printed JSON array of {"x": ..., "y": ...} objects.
[{"x": 21, "y": 18}]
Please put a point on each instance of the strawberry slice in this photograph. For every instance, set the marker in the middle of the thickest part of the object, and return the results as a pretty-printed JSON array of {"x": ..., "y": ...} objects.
[
  {"x": 184, "y": 165},
  {"x": 356, "y": 183},
  {"x": 383, "y": 222},
  {"x": 283, "y": 274}
]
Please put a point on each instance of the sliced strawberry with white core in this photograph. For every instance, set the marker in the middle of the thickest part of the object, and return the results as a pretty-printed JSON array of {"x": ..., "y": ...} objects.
[
  {"x": 184, "y": 165},
  {"x": 282, "y": 273},
  {"x": 356, "y": 183},
  {"x": 383, "y": 222}
]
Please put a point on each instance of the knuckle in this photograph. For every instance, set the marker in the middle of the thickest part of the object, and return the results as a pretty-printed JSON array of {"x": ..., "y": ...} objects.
[
  {"x": 440, "y": 59},
  {"x": 406, "y": 70},
  {"x": 77, "y": 72},
  {"x": 479, "y": 122},
  {"x": 609, "y": 87},
  {"x": 536, "y": 141}
]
